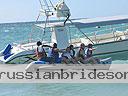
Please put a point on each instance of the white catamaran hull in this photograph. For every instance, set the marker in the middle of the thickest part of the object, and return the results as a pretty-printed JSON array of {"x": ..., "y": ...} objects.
[{"x": 111, "y": 47}]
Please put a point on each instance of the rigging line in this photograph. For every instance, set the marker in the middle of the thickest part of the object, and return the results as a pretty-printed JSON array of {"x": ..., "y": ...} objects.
[
  {"x": 46, "y": 3},
  {"x": 45, "y": 24},
  {"x": 70, "y": 35},
  {"x": 81, "y": 31},
  {"x": 52, "y": 4},
  {"x": 38, "y": 17},
  {"x": 37, "y": 21},
  {"x": 33, "y": 27},
  {"x": 61, "y": 1},
  {"x": 45, "y": 13},
  {"x": 41, "y": 4},
  {"x": 45, "y": 27},
  {"x": 77, "y": 28}
]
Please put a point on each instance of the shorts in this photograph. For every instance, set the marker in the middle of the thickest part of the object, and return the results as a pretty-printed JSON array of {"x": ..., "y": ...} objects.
[{"x": 47, "y": 59}]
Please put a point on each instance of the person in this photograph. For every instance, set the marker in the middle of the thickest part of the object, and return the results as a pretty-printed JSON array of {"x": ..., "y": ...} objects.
[
  {"x": 89, "y": 50},
  {"x": 89, "y": 56},
  {"x": 41, "y": 54},
  {"x": 54, "y": 53},
  {"x": 85, "y": 56},
  {"x": 81, "y": 53},
  {"x": 67, "y": 58},
  {"x": 72, "y": 51}
]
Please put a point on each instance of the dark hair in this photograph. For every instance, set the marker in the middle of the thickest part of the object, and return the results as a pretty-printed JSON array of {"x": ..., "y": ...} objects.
[
  {"x": 67, "y": 48},
  {"x": 82, "y": 44},
  {"x": 90, "y": 45},
  {"x": 71, "y": 46},
  {"x": 39, "y": 43},
  {"x": 54, "y": 45}
]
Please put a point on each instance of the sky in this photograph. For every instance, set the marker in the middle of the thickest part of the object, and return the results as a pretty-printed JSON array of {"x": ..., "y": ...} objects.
[{"x": 28, "y": 10}]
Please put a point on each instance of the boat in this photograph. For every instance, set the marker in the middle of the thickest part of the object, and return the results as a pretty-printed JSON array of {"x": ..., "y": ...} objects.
[
  {"x": 104, "y": 64},
  {"x": 104, "y": 43}
]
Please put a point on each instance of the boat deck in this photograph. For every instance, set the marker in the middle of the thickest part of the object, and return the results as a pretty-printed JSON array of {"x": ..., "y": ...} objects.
[{"x": 103, "y": 38}]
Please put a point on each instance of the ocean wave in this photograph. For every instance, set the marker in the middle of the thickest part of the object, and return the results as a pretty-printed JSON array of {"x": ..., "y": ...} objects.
[{"x": 6, "y": 30}]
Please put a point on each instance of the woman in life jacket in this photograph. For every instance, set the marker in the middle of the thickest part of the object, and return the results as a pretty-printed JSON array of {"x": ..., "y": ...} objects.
[
  {"x": 81, "y": 54},
  {"x": 89, "y": 50},
  {"x": 55, "y": 53},
  {"x": 67, "y": 57},
  {"x": 88, "y": 55},
  {"x": 41, "y": 54},
  {"x": 85, "y": 55},
  {"x": 72, "y": 51}
]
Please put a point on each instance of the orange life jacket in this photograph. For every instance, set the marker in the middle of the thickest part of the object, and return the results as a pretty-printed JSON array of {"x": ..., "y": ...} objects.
[{"x": 40, "y": 54}]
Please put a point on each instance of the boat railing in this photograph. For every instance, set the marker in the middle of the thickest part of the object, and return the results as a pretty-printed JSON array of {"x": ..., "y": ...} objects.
[
  {"x": 98, "y": 36},
  {"x": 113, "y": 33}
]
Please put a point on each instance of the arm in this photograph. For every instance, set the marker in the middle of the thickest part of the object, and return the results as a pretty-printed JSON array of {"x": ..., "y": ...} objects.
[
  {"x": 47, "y": 46},
  {"x": 57, "y": 50},
  {"x": 92, "y": 49}
]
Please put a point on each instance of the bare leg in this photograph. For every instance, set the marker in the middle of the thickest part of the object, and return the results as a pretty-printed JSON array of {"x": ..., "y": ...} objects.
[
  {"x": 65, "y": 60},
  {"x": 91, "y": 59},
  {"x": 81, "y": 60},
  {"x": 73, "y": 61}
]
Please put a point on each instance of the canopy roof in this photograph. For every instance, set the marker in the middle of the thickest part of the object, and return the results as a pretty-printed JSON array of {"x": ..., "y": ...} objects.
[{"x": 99, "y": 21}]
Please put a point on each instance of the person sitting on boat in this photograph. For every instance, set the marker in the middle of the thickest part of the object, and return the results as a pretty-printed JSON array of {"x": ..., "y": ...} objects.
[
  {"x": 67, "y": 58},
  {"x": 85, "y": 56},
  {"x": 41, "y": 54},
  {"x": 89, "y": 57},
  {"x": 72, "y": 51},
  {"x": 54, "y": 53},
  {"x": 81, "y": 53}
]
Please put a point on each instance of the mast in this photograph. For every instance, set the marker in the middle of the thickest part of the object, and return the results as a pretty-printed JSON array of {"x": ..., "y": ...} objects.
[{"x": 61, "y": 10}]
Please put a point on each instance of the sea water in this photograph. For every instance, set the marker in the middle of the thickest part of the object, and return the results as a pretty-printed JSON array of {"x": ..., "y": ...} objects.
[
  {"x": 63, "y": 89},
  {"x": 25, "y": 32}
]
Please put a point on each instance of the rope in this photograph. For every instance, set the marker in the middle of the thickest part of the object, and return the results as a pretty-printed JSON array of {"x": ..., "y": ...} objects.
[
  {"x": 46, "y": 3},
  {"x": 76, "y": 27},
  {"x": 38, "y": 17},
  {"x": 45, "y": 24},
  {"x": 51, "y": 4},
  {"x": 80, "y": 30},
  {"x": 41, "y": 4},
  {"x": 33, "y": 27},
  {"x": 70, "y": 35},
  {"x": 70, "y": 21}
]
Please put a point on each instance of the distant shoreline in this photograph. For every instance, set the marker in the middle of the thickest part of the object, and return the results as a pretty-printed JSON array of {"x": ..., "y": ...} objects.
[{"x": 33, "y": 22}]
